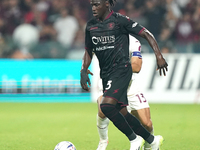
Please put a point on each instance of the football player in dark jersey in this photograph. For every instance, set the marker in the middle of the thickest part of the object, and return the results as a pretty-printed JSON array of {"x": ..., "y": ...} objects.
[{"x": 107, "y": 35}]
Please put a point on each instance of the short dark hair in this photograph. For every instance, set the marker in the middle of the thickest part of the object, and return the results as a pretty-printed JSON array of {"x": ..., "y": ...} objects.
[{"x": 112, "y": 2}]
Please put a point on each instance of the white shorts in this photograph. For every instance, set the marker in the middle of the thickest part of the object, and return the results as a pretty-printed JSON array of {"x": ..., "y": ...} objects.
[{"x": 137, "y": 101}]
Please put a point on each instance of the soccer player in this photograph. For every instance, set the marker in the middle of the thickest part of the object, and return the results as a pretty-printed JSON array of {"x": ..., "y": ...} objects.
[
  {"x": 138, "y": 105},
  {"x": 107, "y": 35}
]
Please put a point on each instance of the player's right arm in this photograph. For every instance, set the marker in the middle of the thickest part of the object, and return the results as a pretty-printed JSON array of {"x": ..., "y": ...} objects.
[{"x": 87, "y": 58}]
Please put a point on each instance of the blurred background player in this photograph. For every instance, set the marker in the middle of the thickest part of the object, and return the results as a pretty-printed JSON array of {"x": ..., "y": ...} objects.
[{"x": 138, "y": 105}]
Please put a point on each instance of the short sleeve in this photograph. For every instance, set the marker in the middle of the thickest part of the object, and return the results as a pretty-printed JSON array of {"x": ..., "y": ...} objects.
[
  {"x": 134, "y": 44},
  {"x": 130, "y": 26}
]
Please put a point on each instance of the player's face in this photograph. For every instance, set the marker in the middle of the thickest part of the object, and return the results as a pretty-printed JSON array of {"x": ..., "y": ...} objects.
[{"x": 99, "y": 8}]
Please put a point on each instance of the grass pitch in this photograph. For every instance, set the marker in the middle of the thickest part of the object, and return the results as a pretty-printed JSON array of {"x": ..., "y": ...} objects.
[{"x": 40, "y": 126}]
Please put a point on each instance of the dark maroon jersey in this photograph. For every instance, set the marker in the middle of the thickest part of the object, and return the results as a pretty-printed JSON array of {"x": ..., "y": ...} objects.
[{"x": 109, "y": 40}]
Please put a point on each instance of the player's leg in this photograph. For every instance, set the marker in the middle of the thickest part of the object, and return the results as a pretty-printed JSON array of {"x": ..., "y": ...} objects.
[
  {"x": 111, "y": 110},
  {"x": 114, "y": 88},
  {"x": 139, "y": 107},
  {"x": 115, "y": 94},
  {"x": 136, "y": 126},
  {"x": 145, "y": 118},
  {"x": 154, "y": 141},
  {"x": 102, "y": 127},
  {"x": 108, "y": 107}
]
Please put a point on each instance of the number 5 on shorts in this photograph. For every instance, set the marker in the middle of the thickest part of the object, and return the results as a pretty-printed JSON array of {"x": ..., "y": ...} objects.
[{"x": 109, "y": 84}]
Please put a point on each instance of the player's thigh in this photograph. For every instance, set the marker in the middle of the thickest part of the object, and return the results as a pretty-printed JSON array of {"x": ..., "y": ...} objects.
[
  {"x": 137, "y": 101},
  {"x": 139, "y": 107}
]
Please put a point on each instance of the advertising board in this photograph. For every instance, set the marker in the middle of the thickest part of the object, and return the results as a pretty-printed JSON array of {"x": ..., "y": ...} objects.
[
  {"x": 41, "y": 80},
  {"x": 180, "y": 85}
]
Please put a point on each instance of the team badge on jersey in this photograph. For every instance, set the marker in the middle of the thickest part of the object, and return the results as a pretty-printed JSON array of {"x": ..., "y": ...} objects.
[{"x": 111, "y": 25}]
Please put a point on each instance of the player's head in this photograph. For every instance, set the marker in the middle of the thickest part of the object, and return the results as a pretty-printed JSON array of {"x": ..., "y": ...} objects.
[{"x": 101, "y": 7}]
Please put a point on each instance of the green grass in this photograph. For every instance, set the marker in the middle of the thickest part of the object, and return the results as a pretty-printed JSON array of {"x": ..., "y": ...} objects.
[{"x": 40, "y": 126}]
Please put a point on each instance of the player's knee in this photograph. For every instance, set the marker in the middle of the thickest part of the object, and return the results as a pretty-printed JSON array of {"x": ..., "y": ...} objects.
[
  {"x": 107, "y": 108},
  {"x": 101, "y": 114},
  {"x": 123, "y": 111}
]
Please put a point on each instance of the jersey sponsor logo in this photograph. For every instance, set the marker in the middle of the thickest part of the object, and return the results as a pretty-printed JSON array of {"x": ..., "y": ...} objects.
[
  {"x": 134, "y": 25},
  {"x": 104, "y": 48},
  {"x": 111, "y": 25},
  {"x": 103, "y": 39}
]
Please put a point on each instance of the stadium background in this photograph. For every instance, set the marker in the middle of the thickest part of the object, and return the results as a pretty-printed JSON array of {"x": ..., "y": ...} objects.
[
  {"x": 41, "y": 47},
  {"x": 42, "y": 44}
]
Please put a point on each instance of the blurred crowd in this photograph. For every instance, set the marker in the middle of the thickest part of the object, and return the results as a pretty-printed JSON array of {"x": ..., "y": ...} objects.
[{"x": 55, "y": 28}]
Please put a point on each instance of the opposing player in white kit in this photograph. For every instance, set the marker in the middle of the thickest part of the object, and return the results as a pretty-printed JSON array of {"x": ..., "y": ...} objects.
[{"x": 138, "y": 105}]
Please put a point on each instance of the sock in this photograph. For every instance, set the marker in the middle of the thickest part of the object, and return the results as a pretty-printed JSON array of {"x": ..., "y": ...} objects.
[
  {"x": 138, "y": 128},
  {"x": 118, "y": 120},
  {"x": 102, "y": 127},
  {"x": 147, "y": 146}
]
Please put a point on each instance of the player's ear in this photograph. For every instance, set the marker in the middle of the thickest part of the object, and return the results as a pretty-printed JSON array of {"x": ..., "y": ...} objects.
[{"x": 107, "y": 3}]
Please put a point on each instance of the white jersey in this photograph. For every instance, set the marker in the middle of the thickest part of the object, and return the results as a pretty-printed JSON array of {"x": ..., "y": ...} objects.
[{"x": 134, "y": 46}]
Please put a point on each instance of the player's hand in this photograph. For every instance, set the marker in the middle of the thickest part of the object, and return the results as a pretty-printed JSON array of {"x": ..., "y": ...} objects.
[
  {"x": 162, "y": 65},
  {"x": 84, "y": 80},
  {"x": 89, "y": 72}
]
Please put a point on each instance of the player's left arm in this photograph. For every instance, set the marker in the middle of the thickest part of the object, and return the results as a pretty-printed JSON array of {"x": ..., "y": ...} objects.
[
  {"x": 161, "y": 63},
  {"x": 132, "y": 27},
  {"x": 135, "y": 52},
  {"x": 136, "y": 64}
]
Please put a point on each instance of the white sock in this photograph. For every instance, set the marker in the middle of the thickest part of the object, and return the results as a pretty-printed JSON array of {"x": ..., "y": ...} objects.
[
  {"x": 147, "y": 146},
  {"x": 102, "y": 127}
]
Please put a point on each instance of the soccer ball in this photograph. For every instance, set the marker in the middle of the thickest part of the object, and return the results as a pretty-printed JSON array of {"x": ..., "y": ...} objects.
[{"x": 65, "y": 145}]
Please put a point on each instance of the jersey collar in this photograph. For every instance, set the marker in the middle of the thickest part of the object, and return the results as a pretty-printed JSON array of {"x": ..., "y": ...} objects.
[{"x": 109, "y": 14}]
